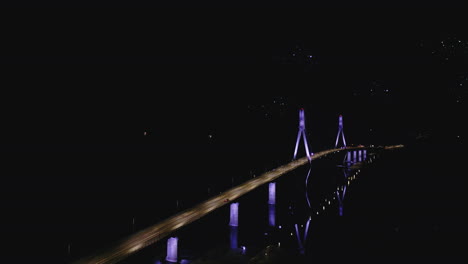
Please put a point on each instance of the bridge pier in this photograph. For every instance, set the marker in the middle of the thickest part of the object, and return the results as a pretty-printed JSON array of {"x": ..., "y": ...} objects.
[
  {"x": 233, "y": 224},
  {"x": 360, "y": 155},
  {"x": 272, "y": 193},
  {"x": 354, "y": 156},
  {"x": 364, "y": 154},
  {"x": 234, "y": 216},
  {"x": 172, "y": 250},
  {"x": 272, "y": 204}
]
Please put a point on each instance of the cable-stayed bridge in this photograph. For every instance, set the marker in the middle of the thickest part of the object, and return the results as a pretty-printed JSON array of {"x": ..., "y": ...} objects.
[{"x": 165, "y": 228}]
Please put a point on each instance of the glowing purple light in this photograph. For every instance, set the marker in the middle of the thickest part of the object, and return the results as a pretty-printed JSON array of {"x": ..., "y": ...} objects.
[
  {"x": 301, "y": 242},
  {"x": 306, "y": 184},
  {"x": 302, "y": 133},
  {"x": 172, "y": 249},
  {"x": 233, "y": 238},
  {"x": 234, "y": 214},
  {"x": 306, "y": 231},
  {"x": 271, "y": 215},
  {"x": 341, "y": 199},
  {"x": 340, "y": 131},
  {"x": 272, "y": 193},
  {"x": 298, "y": 237}
]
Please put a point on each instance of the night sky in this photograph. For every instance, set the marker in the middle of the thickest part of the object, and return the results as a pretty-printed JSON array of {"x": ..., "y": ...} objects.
[{"x": 91, "y": 96}]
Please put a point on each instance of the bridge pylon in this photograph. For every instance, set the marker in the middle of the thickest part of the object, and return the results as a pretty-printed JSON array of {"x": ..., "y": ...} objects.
[
  {"x": 234, "y": 225},
  {"x": 272, "y": 204},
  {"x": 302, "y": 133},
  {"x": 340, "y": 131}
]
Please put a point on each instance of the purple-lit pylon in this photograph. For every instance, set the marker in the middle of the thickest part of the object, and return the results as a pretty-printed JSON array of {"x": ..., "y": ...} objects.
[
  {"x": 303, "y": 133},
  {"x": 340, "y": 131}
]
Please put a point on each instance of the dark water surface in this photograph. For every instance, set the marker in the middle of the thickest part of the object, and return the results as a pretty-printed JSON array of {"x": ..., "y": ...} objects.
[{"x": 404, "y": 206}]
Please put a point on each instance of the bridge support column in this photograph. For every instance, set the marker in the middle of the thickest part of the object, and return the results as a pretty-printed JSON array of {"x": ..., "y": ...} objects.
[
  {"x": 360, "y": 156},
  {"x": 272, "y": 193},
  {"x": 364, "y": 154},
  {"x": 271, "y": 204},
  {"x": 234, "y": 223},
  {"x": 172, "y": 250},
  {"x": 234, "y": 216},
  {"x": 348, "y": 154},
  {"x": 354, "y": 156}
]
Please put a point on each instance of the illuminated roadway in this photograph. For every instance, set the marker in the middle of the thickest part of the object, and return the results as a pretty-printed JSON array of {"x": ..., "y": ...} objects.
[{"x": 160, "y": 230}]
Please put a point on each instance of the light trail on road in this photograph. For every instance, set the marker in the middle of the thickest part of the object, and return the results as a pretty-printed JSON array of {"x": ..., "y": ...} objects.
[{"x": 160, "y": 230}]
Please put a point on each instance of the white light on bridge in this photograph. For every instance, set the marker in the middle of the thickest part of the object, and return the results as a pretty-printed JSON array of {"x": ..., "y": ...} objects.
[{"x": 135, "y": 248}]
